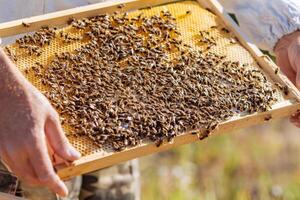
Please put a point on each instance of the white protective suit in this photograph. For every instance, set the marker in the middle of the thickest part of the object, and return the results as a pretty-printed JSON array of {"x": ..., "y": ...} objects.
[{"x": 264, "y": 21}]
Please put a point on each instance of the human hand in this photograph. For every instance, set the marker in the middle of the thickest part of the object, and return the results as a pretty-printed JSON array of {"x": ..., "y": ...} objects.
[
  {"x": 287, "y": 53},
  {"x": 28, "y": 123}
]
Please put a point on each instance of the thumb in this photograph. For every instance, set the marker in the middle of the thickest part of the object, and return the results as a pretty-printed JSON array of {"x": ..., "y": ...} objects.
[{"x": 58, "y": 140}]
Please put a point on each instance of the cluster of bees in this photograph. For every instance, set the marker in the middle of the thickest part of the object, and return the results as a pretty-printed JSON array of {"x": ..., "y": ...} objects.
[
  {"x": 68, "y": 38},
  {"x": 34, "y": 43},
  {"x": 123, "y": 87},
  {"x": 207, "y": 39}
]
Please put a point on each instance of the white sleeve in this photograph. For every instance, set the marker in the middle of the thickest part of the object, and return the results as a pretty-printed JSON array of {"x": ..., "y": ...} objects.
[
  {"x": 265, "y": 21},
  {"x": 55, "y": 5},
  {"x": 18, "y": 9}
]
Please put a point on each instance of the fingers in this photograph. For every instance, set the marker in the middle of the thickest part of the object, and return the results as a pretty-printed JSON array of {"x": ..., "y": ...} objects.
[
  {"x": 30, "y": 161},
  {"x": 295, "y": 122},
  {"x": 298, "y": 79},
  {"x": 20, "y": 165},
  {"x": 24, "y": 171},
  {"x": 295, "y": 119},
  {"x": 58, "y": 140},
  {"x": 43, "y": 168}
]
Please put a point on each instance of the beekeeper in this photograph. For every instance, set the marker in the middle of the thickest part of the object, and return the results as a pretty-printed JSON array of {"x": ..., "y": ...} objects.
[{"x": 27, "y": 119}]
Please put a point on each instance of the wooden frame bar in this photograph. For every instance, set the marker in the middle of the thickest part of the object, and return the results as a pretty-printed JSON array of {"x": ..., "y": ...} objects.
[
  {"x": 96, "y": 161},
  {"x": 61, "y": 17}
]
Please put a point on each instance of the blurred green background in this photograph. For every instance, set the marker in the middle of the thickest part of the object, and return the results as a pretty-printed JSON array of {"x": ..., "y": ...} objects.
[{"x": 260, "y": 162}]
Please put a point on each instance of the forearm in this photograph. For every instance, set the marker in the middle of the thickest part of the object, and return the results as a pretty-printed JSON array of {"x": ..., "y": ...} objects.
[
  {"x": 265, "y": 21},
  {"x": 11, "y": 79}
]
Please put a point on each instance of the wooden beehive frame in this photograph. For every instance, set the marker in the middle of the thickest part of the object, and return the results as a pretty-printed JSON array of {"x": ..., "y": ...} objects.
[{"x": 97, "y": 161}]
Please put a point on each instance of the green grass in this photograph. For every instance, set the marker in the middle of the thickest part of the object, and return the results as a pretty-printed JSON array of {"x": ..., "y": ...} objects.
[{"x": 261, "y": 162}]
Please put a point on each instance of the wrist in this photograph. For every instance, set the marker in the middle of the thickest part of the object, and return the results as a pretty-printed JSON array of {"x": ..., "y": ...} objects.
[{"x": 10, "y": 77}]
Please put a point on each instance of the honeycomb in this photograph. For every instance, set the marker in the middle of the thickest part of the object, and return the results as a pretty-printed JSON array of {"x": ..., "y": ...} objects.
[{"x": 189, "y": 26}]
